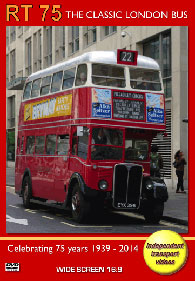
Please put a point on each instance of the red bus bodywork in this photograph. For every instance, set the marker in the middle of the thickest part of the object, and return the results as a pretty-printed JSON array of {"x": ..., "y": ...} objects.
[{"x": 51, "y": 174}]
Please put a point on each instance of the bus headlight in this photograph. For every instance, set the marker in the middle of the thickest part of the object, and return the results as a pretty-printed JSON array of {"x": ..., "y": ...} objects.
[
  {"x": 103, "y": 185},
  {"x": 149, "y": 185}
]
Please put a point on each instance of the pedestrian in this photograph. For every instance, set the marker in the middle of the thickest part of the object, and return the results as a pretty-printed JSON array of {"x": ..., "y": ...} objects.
[
  {"x": 156, "y": 162},
  {"x": 179, "y": 164}
]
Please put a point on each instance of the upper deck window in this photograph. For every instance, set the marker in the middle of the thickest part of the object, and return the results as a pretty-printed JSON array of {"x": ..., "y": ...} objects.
[
  {"x": 108, "y": 75},
  {"x": 45, "y": 87},
  {"x": 81, "y": 75},
  {"x": 68, "y": 79},
  {"x": 36, "y": 88},
  {"x": 56, "y": 82},
  {"x": 27, "y": 91},
  {"x": 144, "y": 79}
]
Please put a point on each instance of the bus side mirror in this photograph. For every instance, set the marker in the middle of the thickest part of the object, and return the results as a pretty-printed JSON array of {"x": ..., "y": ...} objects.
[{"x": 80, "y": 131}]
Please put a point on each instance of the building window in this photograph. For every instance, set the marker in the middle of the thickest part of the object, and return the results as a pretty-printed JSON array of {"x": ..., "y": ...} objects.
[
  {"x": 59, "y": 43},
  {"x": 37, "y": 51},
  {"x": 12, "y": 33},
  {"x": 166, "y": 58},
  {"x": 20, "y": 31},
  {"x": 28, "y": 56},
  {"x": 12, "y": 65},
  {"x": 11, "y": 101},
  {"x": 11, "y": 145},
  {"x": 159, "y": 48},
  {"x": 7, "y": 36},
  {"x": 48, "y": 46},
  {"x": 74, "y": 39},
  {"x": 90, "y": 35},
  {"x": 7, "y": 69},
  {"x": 109, "y": 30}
]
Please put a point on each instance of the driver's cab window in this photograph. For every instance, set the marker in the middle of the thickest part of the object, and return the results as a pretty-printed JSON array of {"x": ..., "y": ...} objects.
[
  {"x": 81, "y": 77},
  {"x": 136, "y": 149}
]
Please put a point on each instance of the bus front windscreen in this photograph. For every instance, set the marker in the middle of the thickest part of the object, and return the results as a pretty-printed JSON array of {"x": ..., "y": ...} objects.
[
  {"x": 106, "y": 144},
  {"x": 108, "y": 75},
  {"x": 136, "y": 149},
  {"x": 145, "y": 79}
]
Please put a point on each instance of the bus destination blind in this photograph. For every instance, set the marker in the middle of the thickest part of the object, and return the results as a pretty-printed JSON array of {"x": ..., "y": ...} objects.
[{"x": 128, "y": 109}]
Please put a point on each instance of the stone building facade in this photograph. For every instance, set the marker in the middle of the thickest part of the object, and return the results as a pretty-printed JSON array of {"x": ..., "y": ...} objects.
[{"x": 31, "y": 48}]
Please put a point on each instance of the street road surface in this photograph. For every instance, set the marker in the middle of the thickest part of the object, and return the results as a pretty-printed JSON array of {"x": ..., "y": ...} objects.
[{"x": 48, "y": 218}]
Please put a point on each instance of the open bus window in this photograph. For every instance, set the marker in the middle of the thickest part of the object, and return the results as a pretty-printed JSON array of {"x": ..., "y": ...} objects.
[
  {"x": 81, "y": 77},
  {"x": 50, "y": 144},
  {"x": 56, "y": 81},
  {"x": 45, "y": 87},
  {"x": 136, "y": 149},
  {"x": 106, "y": 144},
  {"x": 68, "y": 79},
  {"x": 27, "y": 91},
  {"x": 144, "y": 79},
  {"x": 39, "y": 145},
  {"x": 107, "y": 75},
  {"x": 63, "y": 144},
  {"x": 30, "y": 143},
  {"x": 36, "y": 88}
]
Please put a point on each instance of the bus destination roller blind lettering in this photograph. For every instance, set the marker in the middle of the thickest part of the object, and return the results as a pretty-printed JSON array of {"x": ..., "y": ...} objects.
[{"x": 128, "y": 109}]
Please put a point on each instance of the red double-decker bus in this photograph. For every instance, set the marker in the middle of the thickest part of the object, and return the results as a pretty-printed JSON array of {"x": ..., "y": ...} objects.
[{"x": 85, "y": 131}]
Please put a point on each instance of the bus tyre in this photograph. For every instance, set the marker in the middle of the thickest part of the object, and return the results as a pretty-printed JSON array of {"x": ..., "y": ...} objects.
[
  {"x": 154, "y": 212},
  {"x": 27, "y": 192},
  {"x": 79, "y": 205}
]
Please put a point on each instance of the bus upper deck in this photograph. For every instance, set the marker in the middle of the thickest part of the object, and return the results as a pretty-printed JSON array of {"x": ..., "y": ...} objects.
[{"x": 96, "y": 86}]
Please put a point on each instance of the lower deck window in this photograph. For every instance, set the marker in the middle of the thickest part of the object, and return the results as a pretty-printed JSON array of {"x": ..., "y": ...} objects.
[
  {"x": 63, "y": 145},
  {"x": 136, "y": 149},
  {"x": 39, "y": 145},
  {"x": 50, "y": 144},
  {"x": 30, "y": 144}
]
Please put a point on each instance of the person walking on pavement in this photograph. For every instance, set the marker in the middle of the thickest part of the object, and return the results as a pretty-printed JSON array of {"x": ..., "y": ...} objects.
[
  {"x": 156, "y": 162},
  {"x": 179, "y": 164}
]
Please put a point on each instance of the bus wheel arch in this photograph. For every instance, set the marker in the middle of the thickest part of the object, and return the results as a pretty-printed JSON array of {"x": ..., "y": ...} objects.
[
  {"x": 79, "y": 205},
  {"x": 75, "y": 179}
]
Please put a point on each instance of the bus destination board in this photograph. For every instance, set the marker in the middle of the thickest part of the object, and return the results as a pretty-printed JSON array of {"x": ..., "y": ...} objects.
[
  {"x": 128, "y": 109},
  {"x": 129, "y": 95}
]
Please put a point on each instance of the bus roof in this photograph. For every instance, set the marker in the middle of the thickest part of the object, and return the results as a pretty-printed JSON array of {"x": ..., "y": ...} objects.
[{"x": 106, "y": 57}]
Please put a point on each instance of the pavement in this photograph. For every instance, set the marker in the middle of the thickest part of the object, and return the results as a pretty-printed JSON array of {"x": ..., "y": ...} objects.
[{"x": 176, "y": 208}]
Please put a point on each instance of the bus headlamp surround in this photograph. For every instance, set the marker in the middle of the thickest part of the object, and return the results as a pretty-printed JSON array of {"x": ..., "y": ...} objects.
[
  {"x": 103, "y": 185},
  {"x": 149, "y": 185}
]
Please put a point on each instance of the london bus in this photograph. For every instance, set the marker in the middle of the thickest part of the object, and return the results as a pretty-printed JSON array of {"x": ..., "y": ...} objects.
[{"x": 84, "y": 135}]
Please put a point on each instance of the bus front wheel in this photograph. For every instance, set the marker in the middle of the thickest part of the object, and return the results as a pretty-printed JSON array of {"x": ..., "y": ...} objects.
[
  {"x": 154, "y": 212},
  {"x": 79, "y": 205},
  {"x": 27, "y": 191}
]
